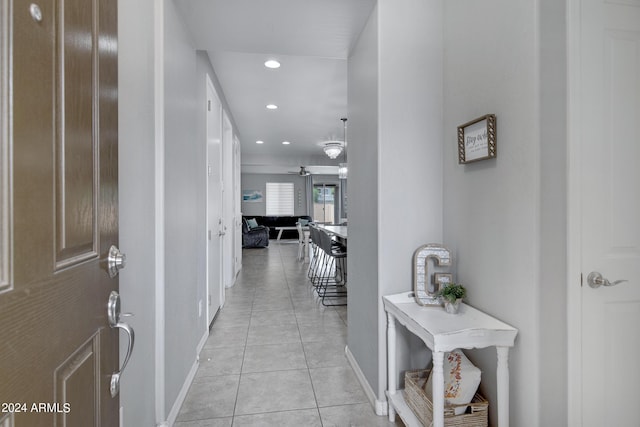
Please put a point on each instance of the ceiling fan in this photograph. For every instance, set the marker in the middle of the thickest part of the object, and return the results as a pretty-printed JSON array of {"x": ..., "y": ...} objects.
[{"x": 302, "y": 172}]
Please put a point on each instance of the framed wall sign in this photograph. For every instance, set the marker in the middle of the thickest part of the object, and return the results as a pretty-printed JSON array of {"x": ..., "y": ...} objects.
[
  {"x": 477, "y": 139},
  {"x": 252, "y": 196}
]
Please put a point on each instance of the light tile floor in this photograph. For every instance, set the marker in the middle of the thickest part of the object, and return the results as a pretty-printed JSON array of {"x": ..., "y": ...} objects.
[{"x": 275, "y": 355}]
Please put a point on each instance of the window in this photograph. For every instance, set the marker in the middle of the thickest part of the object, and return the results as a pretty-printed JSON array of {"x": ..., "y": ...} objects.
[{"x": 279, "y": 198}]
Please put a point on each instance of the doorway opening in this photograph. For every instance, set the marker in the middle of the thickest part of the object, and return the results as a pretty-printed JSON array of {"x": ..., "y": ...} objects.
[{"x": 325, "y": 208}]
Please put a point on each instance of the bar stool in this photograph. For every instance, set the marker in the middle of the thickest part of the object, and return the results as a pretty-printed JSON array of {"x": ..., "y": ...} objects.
[
  {"x": 317, "y": 265},
  {"x": 316, "y": 254},
  {"x": 332, "y": 282}
]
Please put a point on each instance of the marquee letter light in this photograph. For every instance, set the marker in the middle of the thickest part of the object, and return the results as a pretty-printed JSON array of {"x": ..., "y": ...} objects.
[{"x": 423, "y": 292}]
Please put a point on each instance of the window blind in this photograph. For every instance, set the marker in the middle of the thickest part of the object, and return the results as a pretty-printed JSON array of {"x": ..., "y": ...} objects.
[{"x": 280, "y": 198}]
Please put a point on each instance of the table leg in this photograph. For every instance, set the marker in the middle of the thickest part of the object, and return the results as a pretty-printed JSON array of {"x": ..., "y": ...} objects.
[
  {"x": 306, "y": 246},
  {"x": 391, "y": 364},
  {"x": 437, "y": 389},
  {"x": 503, "y": 386},
  {"x": 280, "y": 233}
]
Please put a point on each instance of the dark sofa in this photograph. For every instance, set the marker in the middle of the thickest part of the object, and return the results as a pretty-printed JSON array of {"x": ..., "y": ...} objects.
[
  {"x": 257, "y": 237},
  {"x": 279, "y": 221}
]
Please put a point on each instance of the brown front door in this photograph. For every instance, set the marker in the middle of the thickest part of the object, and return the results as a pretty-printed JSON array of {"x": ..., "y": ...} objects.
[{"x": 58, "y": 211}]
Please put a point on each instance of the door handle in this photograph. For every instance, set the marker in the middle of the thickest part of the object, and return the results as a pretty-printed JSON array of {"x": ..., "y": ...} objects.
[
  {"x": 114, "y": 315},
  {"x": 116, "y": 261},
  {"x": 595, "y": 280}
]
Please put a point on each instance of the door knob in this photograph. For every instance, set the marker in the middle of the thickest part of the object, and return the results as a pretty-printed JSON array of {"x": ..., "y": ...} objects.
[
  {"x": 114, "y": 315},
  {"x": 116, "y": 261},
  {"x": 595, "y": 280}
]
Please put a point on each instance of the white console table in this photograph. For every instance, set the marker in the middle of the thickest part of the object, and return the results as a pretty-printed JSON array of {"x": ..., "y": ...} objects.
[{"x": 443, "y": 332}]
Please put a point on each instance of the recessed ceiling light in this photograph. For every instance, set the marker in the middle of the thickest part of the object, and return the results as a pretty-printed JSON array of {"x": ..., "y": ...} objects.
[
  {"x": 272, "y": 107},
  {"x": 259, "y": 142},
  {"x": 272, "y": 63},
  {"x": 285, "y": 143}
]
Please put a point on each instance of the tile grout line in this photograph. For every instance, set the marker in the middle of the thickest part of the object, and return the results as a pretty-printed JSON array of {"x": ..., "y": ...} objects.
[
  {"x": 286, "y": 279},
  {"x": 313, "y": 388},
  {"x": 244, "y": 352}
]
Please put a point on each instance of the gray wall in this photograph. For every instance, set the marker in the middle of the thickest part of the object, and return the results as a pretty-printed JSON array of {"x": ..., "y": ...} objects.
[
  {"x": 251, "y": 181},
  {"x": 395, "y": 171},
  {"x": 418, "y": 71},
  {"x": 505, "y": 218},
  {"x": 553, "y": 213},
  {"x": 363, "y": 201},
  {"x": 148, "y": 228},
  {"x": 410, "y": 46},
  {"x": 136, "y": 159},
  {"x": 202, "y": 68},
  {"x": 326, "y": 179},
  {"x": 183, "y": 222},
  {"x": 182, "y": 282}
]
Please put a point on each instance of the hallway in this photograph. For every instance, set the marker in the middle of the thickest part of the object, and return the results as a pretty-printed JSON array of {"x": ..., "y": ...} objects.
[{"x": 275, "y": 356}]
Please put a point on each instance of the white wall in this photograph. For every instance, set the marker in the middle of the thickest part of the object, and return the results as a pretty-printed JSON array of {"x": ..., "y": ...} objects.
[
  {"x": 395, "y": 170},
  {"x": 183, "y": 222},
  {"x": 504, "y": 218},
  {"x": 136, "y": 159}
]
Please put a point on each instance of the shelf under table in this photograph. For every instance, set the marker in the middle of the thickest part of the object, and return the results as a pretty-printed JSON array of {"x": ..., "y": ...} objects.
[{"x": 402, "y": 409}]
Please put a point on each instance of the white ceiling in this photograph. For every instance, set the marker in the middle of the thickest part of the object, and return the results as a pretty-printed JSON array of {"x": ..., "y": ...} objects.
[{"x": 311, "y": 39}]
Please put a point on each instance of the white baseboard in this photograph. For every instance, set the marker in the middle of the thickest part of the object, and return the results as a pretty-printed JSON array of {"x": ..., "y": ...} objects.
[
  {"x": 175, "y": 409},
  {"x": 202, "y": 342},
  {"x": 379, "y": 406}
]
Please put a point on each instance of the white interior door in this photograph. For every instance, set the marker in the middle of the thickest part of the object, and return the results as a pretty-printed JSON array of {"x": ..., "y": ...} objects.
[
  {"x": 228, "y": 255},
  {"x": 215, "y": 288},
  {"x": 237, "y": 238},
  {"x": 609, "y": 140}
]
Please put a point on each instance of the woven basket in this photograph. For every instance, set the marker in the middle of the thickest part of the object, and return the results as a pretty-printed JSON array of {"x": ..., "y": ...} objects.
[{"x": 476, "y": 414}]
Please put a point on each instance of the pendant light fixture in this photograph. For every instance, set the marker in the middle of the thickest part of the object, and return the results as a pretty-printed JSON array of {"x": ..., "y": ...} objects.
[
  {"x": 332, "y": 149},
  {"x": 342, "y": 167}
]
